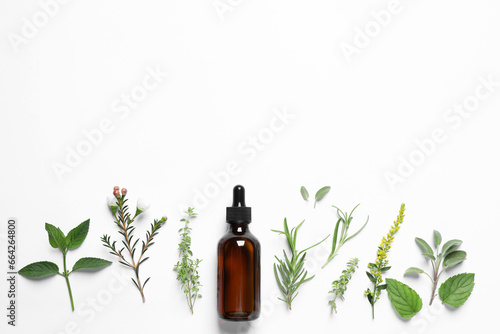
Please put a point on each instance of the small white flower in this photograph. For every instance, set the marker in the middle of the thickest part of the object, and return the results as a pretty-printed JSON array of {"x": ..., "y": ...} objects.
[
  {"x": 112, "y": 201},
  {"x": 142, "y": 205}
]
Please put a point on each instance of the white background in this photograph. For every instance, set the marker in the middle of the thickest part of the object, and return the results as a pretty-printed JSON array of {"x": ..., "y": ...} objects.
[{"x": 352, "y": 121}]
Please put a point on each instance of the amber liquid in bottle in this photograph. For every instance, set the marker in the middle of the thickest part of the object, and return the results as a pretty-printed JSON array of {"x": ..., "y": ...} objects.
[{"x": 238, "y": 265}]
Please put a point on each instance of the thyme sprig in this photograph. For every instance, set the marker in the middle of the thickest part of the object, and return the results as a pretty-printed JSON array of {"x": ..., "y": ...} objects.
[
  {"x": 339, "y": 286},
  {"x": 125, "y": 221},
  {"x": 381, "y": 263},
  {"x": 187, "y": 268}
]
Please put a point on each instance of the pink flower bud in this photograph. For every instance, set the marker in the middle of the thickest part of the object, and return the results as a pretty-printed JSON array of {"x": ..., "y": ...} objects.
[
  {"x": 124, "y": 191},
  {"x": 116, "y": 188},
  {"x": 116, "y": 192}
]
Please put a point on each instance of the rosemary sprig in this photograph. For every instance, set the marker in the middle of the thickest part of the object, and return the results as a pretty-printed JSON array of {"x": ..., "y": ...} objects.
[
  {"x": 339, "y": 286},
  {"x": 381, "y": 263},
  {"x": 291, "y": 270},
  {"x": 124, "y": 221},
  {"x": 187, "y": 268},
  {"x": 345, "y": 219}
]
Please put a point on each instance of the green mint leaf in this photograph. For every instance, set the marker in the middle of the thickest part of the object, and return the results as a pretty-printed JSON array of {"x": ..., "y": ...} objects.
[
  {"x": 451, "y": 245},
  {"x": 77, "y": 235},
  {"x": 413, "y": 270},
  {"x": 424, "y": 246},
  {"x": 404, "y": 299},
  {"x": 321, "y": 193},
  {"x": 56, "y": 237},
  {"x": 39, "y": 269},
  {"x": 457, "y": 289},
  {"x": 90, "y": 263},
  {"x": 454, "y": 258},
  {"x": 304, "y": 193},
  {"x": 437, "y": 238}
]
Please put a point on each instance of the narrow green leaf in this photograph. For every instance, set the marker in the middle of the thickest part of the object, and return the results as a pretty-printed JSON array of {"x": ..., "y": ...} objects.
[
  {"x": 454, "y": 258},
  {"x": 413, "y": 270},
  {"x": 451, "y": 245},
  {"x": 321, "y": 193},
  {"x": 39, "y": 269},
  {"x": 437, "y": 238},
  {"x": 56, "y": 237},
  {"x": 429, "y": 256},
  {"x": 371, "y": 277},
  {"x": 404, "y": 299},
  {"x": 304, "y": 193},
  {"x": 77, "y": 235},
  {"x": 457, "y": 289},
  {"x": 424, "y": 246},
  {"x": 90, "y": 263}
]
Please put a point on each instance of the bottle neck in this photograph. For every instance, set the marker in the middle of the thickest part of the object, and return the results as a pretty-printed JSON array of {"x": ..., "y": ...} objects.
[{"x": 238, "y": 228}]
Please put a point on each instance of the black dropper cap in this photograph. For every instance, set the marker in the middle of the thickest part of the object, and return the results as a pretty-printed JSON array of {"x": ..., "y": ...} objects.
[{"x": 239, "y": 212}]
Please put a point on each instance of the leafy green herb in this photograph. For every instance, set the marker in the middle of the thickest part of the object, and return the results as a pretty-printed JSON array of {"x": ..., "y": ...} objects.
[
  {"x": 304, "y": 193},
  {"x": 321, "y": 193},
  {"x": 381, "y": 264},
  {"x": 290, "y": 272},
  {"x": 457, "y": 289},
  {"x": 448, "y": 257},
  {"x": 404, "y": 299},
  {"x": 342, "y": 238},
  {"x": 340, "y": 286},
  {"x": 124, "y": 221},
  {"x": 57, "y": 239},
  {"x": 187, "y": 268}
]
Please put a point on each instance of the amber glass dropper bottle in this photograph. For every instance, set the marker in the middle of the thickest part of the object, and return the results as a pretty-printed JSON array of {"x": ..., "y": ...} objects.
[{"x": 238, "y": 264}]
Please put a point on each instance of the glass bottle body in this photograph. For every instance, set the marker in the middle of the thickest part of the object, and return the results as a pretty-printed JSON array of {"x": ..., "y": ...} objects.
[{"x": 238, "y": 274}]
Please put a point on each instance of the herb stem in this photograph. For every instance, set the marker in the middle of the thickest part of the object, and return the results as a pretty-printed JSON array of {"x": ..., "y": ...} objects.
[{"x": 66, "y": 274}]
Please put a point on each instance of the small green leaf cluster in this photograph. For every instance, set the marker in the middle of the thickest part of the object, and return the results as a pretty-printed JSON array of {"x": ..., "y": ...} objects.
[
  {"x": 64, "y": 243},
  {"x": 319, "y": 194},
  {"x": 187, "y": 268},
  {"x": 290, "y": 272},
  {"x": 339, "y": 286},
  {"x": 340, "y": 239},
  {"x": 446, "y": 256}
]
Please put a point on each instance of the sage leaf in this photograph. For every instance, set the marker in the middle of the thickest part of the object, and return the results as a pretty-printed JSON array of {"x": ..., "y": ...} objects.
[
  {"x": 451, "y": 245},
  {"x": 424, "y": 246},
  {"x": 413, "y": 270},
  {"x": 40, "y": 269},
  {"x": 457, "y": 289},
  {"x": 404, "y": 299},
  {"x": 321, "y": 193},
  {"x": 56, "y": 237},
  {"x": 437, "y": 238},
  {"x": 77, "y": 235},
  {"x": 91, "y": 263},
  {"x": 304, "y": 193},
  {"x": 454, "y": 258}
]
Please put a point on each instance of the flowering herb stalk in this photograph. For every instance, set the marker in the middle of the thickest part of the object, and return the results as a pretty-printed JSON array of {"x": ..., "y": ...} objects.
[
  {"x": 340, "y": 286},
  {"x": 187, "y": 268},
  {"x": 381, "y": 263},
  {"x": 125, "y": 221}
]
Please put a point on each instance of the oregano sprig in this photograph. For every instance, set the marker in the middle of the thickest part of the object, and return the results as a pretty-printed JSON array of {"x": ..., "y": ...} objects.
[
  {"x": 64, "y": 243},
  {"x": 381, "y": 263},
  {"x": 339, "y": 286},
  {"x": 124, "y": 221},
  {"x": 187, "y": 268},
  {"x": 290, "y": 272}
]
